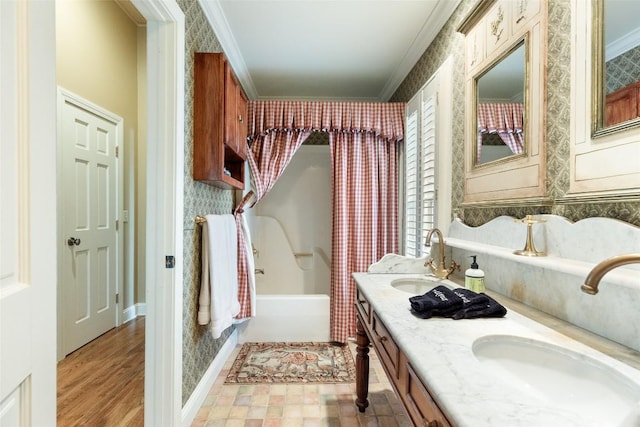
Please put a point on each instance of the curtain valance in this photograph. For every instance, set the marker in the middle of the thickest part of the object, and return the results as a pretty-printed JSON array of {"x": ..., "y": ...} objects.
[
  {"x": 384, "y": 119},
  {"x": 505, "y": 120}
]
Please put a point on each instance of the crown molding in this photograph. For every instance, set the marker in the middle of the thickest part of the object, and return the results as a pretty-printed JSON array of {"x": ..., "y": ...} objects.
[
  {"x": 215, "y": 15},
  {"x": 623, "y": 44},
  {"x": 432, "y": 26}
]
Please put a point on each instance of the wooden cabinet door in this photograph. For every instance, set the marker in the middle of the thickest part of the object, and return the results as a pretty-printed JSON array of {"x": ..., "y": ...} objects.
[
  {"x": 230, "y": 108},
  {"x": 622, "y": 105},
  {"x": 242, "y": 123}
]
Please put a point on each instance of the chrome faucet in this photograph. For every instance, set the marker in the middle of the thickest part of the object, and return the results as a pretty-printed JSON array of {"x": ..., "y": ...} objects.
[
  {"x": 592, "y": 281},
  {"x": 440, "y": 270}
]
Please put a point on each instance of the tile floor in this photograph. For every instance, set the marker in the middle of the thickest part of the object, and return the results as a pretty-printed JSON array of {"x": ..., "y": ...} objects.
[{"x": 301, "y": 405}]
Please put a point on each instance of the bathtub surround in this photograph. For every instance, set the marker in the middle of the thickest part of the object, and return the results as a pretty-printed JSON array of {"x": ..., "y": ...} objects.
[
  {"x": 287, "y": 318},
  {"x": 293, "y": 226},
  {"x": 285, "y": 269},
  {"x": 552, "y": 284},
  {"x": 292, "y": 362}
]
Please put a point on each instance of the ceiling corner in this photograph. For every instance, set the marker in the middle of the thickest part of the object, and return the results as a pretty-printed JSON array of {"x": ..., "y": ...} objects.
[
  {"x": 439, "y": 16},
  {"x": 215, "y": 15}
]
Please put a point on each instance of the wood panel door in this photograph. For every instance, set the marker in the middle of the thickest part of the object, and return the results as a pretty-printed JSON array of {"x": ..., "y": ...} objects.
[
  {"x": 90, "y": 138},
  {"x": 27, "y": 214}
]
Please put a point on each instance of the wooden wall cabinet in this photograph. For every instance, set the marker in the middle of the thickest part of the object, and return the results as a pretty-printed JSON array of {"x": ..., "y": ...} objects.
[
  {"x": 413, "y": 393},
  {"x": 622, "y": 105},
  {"x": 219, "y": 123}
]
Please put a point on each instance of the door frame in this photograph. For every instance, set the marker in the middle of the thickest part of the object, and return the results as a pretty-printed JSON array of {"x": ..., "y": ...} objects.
[
  {"x": 64, "y": 96},
  {"x": 164, "y": 214},
  {"x": 165, "y": 201}
]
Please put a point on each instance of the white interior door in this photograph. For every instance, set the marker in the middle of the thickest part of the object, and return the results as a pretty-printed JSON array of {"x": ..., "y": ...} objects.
[
  {"x": 90, "y": 138},
  {"x": 27, "y": 214}
]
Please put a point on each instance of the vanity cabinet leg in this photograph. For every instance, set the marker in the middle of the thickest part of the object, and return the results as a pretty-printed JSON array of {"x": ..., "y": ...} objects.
[{"x": 362, "y": 367}]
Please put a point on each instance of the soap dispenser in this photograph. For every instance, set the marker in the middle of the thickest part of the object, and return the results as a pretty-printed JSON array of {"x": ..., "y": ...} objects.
[{"x": 474, "y": 277}]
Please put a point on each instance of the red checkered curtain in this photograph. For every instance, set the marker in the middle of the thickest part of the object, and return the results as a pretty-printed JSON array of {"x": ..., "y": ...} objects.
[
  {"x": 364, "y": 143},
  {"x": 505, "y": 120},
  {"x": 365, "y": 217},
  {"x": 270, "y": 151}
]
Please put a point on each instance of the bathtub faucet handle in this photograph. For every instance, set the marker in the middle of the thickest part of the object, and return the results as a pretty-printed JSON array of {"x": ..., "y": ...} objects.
[{"x": 259, "y": 271}]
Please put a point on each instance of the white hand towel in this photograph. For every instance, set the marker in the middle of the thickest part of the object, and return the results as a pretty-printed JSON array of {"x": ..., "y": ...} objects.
[{"x": 218, "y": 301}]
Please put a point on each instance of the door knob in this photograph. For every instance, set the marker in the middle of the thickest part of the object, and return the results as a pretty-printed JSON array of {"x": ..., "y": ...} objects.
[{"x": 73, "y": 241}]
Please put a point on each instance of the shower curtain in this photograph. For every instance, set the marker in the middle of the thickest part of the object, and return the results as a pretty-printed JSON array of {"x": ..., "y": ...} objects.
[
  {"x": 363, "y": 139},
  {"x": 505, "y": 120},
  {"x": 365, "y": 221}
]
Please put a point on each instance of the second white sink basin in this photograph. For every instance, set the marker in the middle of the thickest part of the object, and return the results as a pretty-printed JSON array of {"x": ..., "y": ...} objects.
[
  {"x": 416, "y": 286},
  {"x": 565, "y": 379}
]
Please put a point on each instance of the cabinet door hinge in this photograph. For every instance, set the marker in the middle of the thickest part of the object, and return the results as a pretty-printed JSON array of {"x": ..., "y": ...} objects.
[
  {"x": 117, "y": 224},
  {"x": 117, "y": 298},
  {"x": 117, "y": 151}
]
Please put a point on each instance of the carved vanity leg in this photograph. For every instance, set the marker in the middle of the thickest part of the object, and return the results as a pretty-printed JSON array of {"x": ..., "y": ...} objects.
[{"x": 362, "y": 367}]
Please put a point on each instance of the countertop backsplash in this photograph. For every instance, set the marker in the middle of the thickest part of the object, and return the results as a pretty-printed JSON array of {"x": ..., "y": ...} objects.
[{"x": 552, "y": 283}]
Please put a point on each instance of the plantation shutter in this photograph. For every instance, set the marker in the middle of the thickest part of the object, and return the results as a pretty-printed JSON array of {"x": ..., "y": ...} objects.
[
  {"x": 428, "y": 167},
  {"x": 412, "y": 202}
]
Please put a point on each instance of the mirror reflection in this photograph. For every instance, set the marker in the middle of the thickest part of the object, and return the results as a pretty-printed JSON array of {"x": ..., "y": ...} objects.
[
  {"x": 500, "y": 95},
  {"x": 621, "y": 74}
]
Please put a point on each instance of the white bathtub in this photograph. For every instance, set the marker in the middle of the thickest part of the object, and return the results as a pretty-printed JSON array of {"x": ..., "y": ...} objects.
[
  {"x": 292, "y": 301},
  {"x": 287, "y": 318}
]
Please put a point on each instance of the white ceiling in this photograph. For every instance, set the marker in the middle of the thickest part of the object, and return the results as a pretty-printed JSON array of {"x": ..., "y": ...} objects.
[{"x": 357, "y": 50}]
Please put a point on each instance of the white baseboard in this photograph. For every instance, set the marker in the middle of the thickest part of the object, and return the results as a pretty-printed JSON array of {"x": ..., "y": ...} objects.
[
  {"x": 134, "y": 311},
  {"x": 197, "y": 398}
]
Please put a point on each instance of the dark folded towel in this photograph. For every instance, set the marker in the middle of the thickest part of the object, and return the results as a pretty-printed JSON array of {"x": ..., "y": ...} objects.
[
  {"x": 439, "y": 301},
  {"x": 477, "y": 305}
]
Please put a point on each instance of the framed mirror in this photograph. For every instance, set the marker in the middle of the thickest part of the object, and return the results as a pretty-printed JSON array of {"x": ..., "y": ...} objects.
[
  {"x": 505, "y": 94},
  {"x": 500, "y": 107},
  {"x": 603, "y": 156},
  {"x": 616, "y": 66}
]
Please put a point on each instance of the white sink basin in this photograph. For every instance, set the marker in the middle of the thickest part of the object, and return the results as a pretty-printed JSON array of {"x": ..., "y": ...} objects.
[
  {"x": 563, "y": 378},
  {"x": 416, "y": 286}
]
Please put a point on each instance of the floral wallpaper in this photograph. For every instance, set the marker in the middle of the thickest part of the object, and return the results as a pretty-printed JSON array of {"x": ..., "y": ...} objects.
[
  {"x": 198, "y": 346},
  {"x": 448, "y": 42},
  {"x": 623, "y": 70}
]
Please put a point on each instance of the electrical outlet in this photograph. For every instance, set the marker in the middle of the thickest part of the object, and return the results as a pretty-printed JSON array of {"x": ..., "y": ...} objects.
[{"x": 125, "y": 216}]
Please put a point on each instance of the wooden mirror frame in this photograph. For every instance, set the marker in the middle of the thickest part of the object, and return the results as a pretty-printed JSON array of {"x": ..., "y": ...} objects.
[
  {"x": 492, "y": 29},
  {"x": 603, "y": 164},
  {"x": 523, "y": 42}
]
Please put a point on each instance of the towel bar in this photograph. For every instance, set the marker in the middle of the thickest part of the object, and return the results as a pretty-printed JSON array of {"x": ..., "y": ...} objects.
[{"x": 302, "y": 254}]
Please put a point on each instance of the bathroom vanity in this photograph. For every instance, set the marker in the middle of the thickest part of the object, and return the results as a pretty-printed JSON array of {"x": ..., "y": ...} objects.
[
  {"x": 487, "y": 372},
  {"x": 413, "y": 393}
]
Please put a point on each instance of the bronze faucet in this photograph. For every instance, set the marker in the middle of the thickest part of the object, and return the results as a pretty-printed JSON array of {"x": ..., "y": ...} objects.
[
  {"x": 440, "y": 271},
  {"x": 592, "y": 281}
]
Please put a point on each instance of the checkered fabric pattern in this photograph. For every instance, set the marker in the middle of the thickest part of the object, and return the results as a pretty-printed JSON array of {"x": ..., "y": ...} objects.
[
  {"x": 244, "y": 295},
  {"x": 364, "y": 140},
  {"x": 505, "y": 120},
  {"x": 365, "y": 217},
  {"x": 268, "y": 156},
  {"x": 384, "y": 119}
]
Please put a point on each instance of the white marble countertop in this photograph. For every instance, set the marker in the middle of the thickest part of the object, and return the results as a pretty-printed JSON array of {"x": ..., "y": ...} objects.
[{"x": 440, "y": 351}]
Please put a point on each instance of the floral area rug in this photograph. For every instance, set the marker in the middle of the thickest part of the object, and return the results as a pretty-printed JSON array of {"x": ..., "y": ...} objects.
[{"x": 303, "y": 362}]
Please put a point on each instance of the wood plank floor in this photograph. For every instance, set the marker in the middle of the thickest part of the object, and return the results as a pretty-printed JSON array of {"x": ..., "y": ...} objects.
[{"x": 102, "y": 383}]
